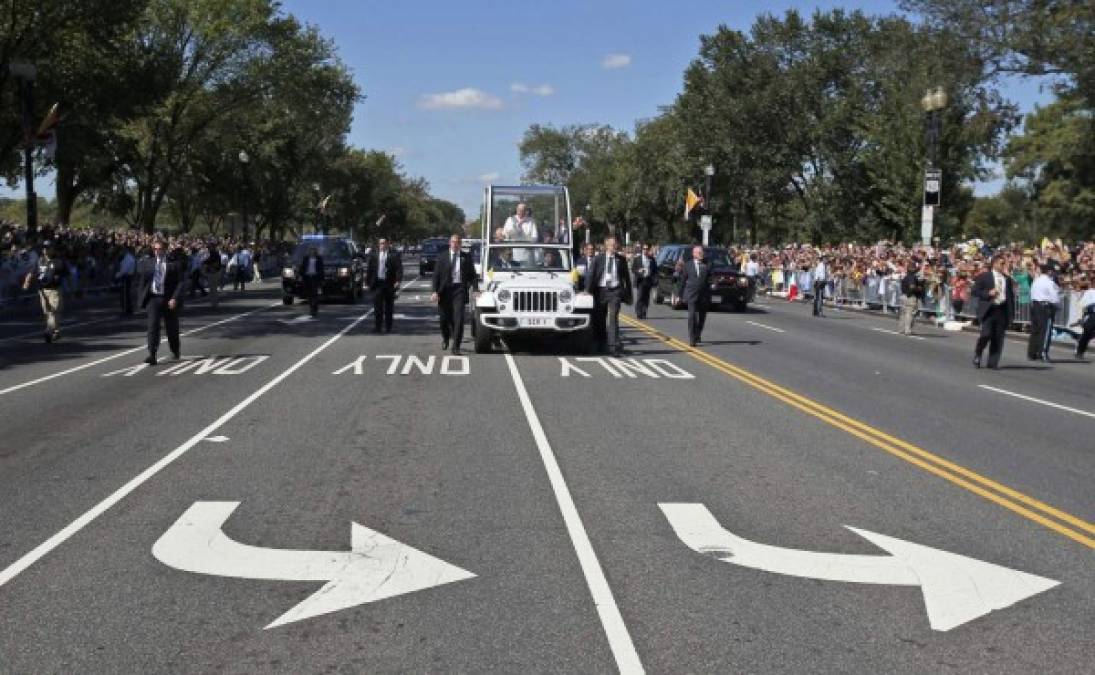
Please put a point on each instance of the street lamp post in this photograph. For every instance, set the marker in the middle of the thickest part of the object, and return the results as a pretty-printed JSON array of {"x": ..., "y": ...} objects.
[
  {"x": 706, "y": 221},
  {"x": 245, "y": 159},
  {"x": 933, "y": 103},
  {"x": 589, "y": 222},
  {"x": 26, "y": 73}
]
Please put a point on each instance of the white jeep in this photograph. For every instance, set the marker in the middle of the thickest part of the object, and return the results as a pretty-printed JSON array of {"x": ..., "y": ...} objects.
[{"x": 528, "y": 282}]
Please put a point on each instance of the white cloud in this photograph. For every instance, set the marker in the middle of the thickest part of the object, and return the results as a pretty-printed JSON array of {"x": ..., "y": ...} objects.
[
  {"x": 541, "y": 90},
  {"x": 614, "y": 61},
  {"x": 461, "y": 98}
]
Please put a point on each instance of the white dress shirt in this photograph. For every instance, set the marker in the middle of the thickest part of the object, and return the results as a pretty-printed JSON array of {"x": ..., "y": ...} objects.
[
  {"x": 158, "y": 276},
  {"x": 382, "y": 265},
  {"x": 1045, "y": 290},
  {"x": 454, "y": 258},
  {"x": 610, "y": 279},
  {"x": 1001, "y": 288}
]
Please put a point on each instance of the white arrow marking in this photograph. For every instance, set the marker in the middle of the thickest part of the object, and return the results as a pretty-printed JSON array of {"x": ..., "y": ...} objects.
[
  {"x": 956, "y": 589},
  {"x": 374, "y": 568},
  {"x": 303, "y": 318}
]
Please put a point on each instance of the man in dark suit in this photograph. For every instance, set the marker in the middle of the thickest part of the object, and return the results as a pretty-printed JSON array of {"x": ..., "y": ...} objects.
[
  {"x": 163, "y": 277},
  {"x": 383, "y": 274},
  {"x": 995, "y": 309},
  {"x": 453, "y": 279},
  {"x": 311, "y": 277},
  {"x": 644, "y": 274},
  {"x": 696, "y": 293},
  {"x": 609, "y": 282}
]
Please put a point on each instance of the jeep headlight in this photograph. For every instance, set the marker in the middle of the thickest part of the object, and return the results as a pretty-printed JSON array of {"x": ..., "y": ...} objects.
[
  {"x": 565, "y": 296},
  {"x": 288, "y": 273},
  {"x": 502, "y": 295}
]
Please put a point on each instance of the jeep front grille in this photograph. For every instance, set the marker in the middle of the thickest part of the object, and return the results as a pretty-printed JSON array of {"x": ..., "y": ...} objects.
[{"x": 535, "y": 301}]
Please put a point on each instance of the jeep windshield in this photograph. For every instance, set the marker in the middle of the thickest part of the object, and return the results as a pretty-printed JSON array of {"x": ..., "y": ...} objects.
[
  {"x": 528, "y": 259},
  {"x": 330, "y": 250},
  {"x": 532, "y": 214}
]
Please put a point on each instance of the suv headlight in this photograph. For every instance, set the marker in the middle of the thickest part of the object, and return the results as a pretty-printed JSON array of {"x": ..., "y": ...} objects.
[
  {"x": 503, "y": 295},
  {"x": 565, "y": 297},
  {"x": 343, "y": 271},
  {"x": 288, "y": 273}
]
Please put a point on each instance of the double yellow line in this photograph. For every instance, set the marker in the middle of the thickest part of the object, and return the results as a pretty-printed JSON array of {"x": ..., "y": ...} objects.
[{"x": 1055, "y": 519}]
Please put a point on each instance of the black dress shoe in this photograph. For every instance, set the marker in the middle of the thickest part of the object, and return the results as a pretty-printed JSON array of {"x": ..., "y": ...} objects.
[
  {"x": 976, "y": 361},
  {"x": 444, "y": 345},
  {"x": 151, "y": 360},
  {"x": 48, "y": 337},
  {"x": 176, "y": 355},
  {"x": 456, "y": 351},
  {"x": 693, "y": 342}
]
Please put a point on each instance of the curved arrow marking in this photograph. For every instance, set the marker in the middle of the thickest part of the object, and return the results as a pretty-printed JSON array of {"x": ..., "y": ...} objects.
[
  {"x": 956, "y": 589},
  {"x": 376, "y": 567}
]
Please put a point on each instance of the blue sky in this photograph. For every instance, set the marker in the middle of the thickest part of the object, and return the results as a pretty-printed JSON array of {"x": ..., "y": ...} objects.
[{"x": 452, "y": 85}]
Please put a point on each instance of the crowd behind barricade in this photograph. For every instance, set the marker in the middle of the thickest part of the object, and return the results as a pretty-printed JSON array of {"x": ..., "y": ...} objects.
[
  {"x": 98, "y": 260},
  {"x": 872, "y": 276}
]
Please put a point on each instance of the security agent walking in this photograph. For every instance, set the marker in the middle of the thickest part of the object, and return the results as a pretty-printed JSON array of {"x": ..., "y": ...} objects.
[
  {"x": 696, "y": 293},
  {"x": 311, "y": 273},
  {"x": 820, "y": 280},
  {"x": 643, "y": 277},
  {"x": 453, "y": 279},
  {"x": 609, "y": 282},
  {"x": 1045, "y": 298},
  {"x": 995, "y": 309},
  {"x": 48, "y": 278},
  {"x": 383, "y": 274},
  {"x": 163, "y": 280}
]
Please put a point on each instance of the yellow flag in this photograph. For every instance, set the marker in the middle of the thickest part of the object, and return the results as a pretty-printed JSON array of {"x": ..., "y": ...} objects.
[{"x": 690, "y": 202}]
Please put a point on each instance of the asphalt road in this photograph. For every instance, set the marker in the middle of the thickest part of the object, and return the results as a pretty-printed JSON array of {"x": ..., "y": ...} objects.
[{"x": 538, "y": 510}]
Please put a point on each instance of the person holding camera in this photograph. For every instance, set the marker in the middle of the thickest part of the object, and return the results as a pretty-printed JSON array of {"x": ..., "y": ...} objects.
[
  {"x": 913, "y": 287},
  {"x": 48, "y": 276}
]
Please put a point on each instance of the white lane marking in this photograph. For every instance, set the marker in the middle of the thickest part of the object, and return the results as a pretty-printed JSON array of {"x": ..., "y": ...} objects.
[
  {"x": 627, "y": 659},
  {"x": 119, "y": 355},
  {"x": 375, "y": 568},
  {"x": 216, "y": 439},
  {"x": 17, "y": 567},
  {"x": 1051, "y": 404},
  {"x": 761, "y": 325},
  {"x": 956, "y": 589},
  {"x": 894, "y": 332},
  {"x": 64, "y": 327}
]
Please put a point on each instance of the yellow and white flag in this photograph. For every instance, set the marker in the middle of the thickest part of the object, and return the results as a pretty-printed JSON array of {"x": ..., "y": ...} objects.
[{"x": 690, "y": 201}]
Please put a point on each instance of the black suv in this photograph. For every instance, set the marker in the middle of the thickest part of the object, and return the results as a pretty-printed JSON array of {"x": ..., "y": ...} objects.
[
  {"x": 730, "y": 288},
  {"x": 343, "y": 269},
  {"x": 431, "y": 248}
]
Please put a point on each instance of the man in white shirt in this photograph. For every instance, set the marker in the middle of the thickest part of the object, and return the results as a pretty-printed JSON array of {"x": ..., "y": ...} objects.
[
  {"x": 521, "y": 226},
  {"x": 127, "y": 267},
  {"x": 820, "y": 279},
  {"x": 1045, "y": 297}
]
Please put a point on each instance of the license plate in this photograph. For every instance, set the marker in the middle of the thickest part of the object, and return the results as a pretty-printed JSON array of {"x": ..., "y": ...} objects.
[
  {"x": 716, "y": 299},
  {"x": 534, "y": 322}
]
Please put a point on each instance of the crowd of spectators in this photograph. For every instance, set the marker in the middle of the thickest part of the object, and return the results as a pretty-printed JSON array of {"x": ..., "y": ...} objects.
[
  {"x": 93, "y": 255},
  {"x": 861, "y": 272}
]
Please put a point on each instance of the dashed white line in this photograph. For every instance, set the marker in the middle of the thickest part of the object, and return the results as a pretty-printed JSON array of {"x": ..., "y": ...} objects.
[
  {"x": 619, "y": 640},
  {"x": 20, "y": 565},
  {"x": 765, "y": 327},
  {"x": 119, "y": 355},
  {"x": 894, "y": 332},
  {"x": 1039, "y": 401}
]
